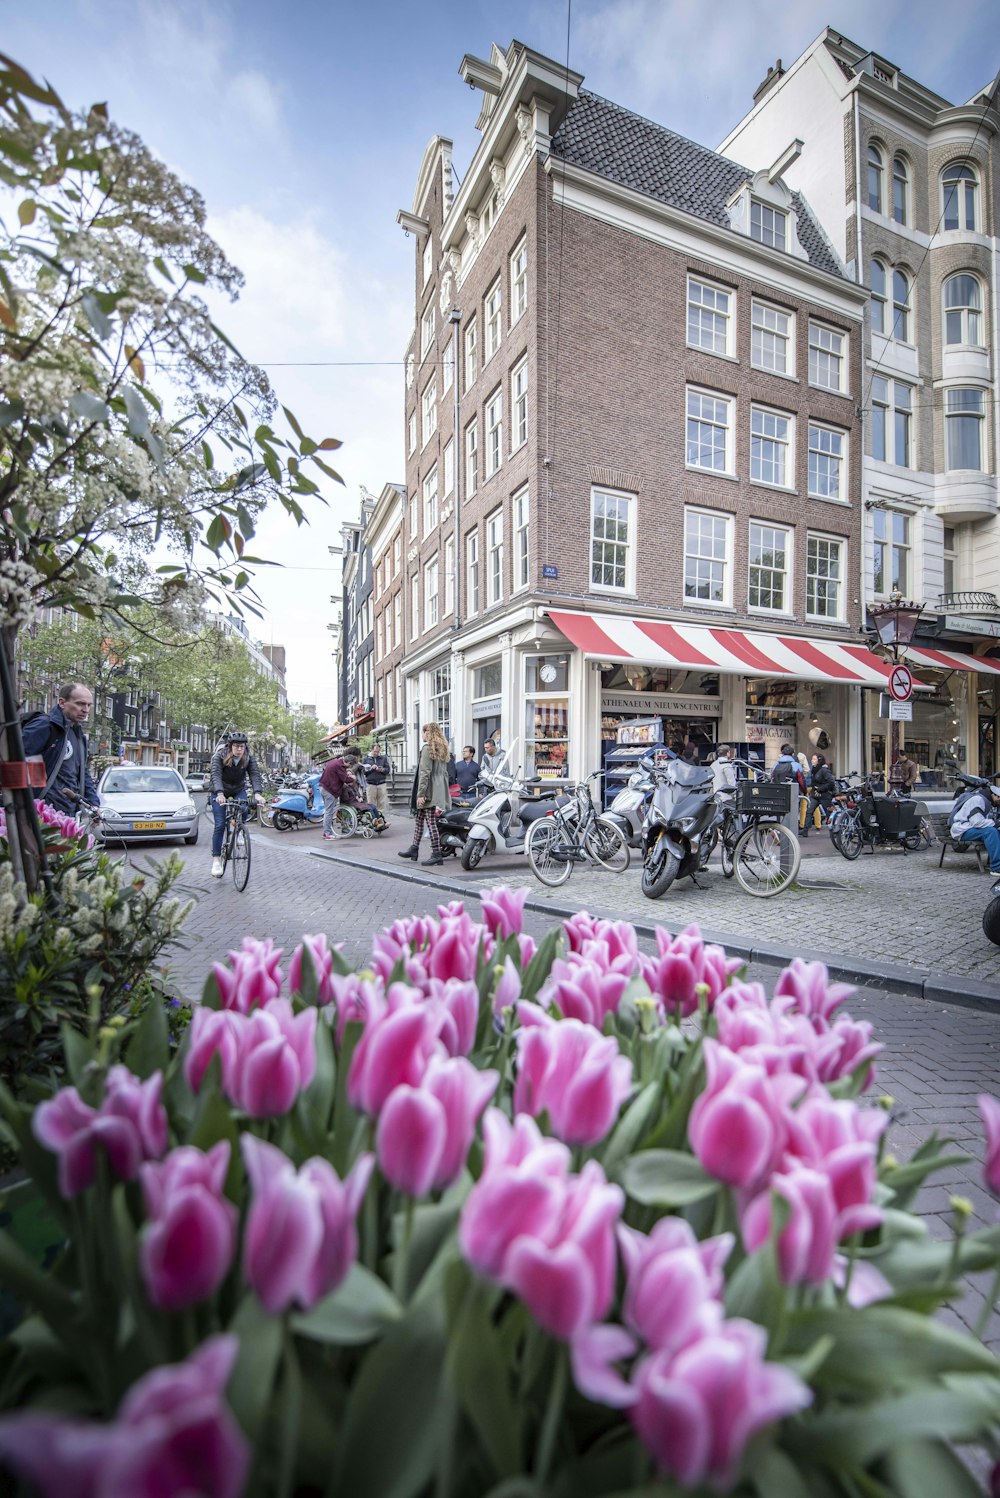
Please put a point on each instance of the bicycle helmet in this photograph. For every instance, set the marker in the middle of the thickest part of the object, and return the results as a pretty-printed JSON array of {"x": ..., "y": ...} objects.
[{"x": 236, "y": 738}]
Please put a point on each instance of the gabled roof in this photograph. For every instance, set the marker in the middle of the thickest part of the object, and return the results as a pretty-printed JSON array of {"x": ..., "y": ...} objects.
[{"x": 601, "y": 137}]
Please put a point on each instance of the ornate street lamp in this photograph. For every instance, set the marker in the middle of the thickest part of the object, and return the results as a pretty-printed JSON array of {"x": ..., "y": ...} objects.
[{"x": 895, "y": 624}]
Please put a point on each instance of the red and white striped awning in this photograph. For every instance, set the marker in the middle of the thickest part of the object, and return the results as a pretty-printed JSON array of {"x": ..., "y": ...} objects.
[
  {"x": 951, "y": 660},
  {"x": 743, "y": 652}
]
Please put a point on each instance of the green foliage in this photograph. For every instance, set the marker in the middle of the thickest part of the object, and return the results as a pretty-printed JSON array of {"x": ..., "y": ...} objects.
[{"x": 81, "y": 959}]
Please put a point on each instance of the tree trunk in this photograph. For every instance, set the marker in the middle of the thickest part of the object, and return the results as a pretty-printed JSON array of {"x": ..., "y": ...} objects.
[{"x": 24, "y": 835}]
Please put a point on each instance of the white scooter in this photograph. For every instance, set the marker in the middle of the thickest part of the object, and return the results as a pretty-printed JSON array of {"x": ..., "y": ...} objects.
[{"x": 500, "y": 821}]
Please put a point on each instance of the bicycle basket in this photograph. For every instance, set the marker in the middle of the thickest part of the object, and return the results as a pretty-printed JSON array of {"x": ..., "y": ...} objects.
[{"x": 763, "y": 797}]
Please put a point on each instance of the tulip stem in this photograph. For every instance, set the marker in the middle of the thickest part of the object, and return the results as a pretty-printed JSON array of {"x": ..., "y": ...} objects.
[
  {"x": 553, "y": 1415},
  {"x": 403, "y": 1252},
  {"x": 989, "y": 1306}
]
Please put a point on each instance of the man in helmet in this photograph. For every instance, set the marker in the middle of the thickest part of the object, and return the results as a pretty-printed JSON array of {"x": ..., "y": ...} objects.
[{"x": 232, "y": 766}]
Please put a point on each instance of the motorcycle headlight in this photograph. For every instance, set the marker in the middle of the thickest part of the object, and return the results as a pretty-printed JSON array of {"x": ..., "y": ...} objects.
[{"x": 687, "y": 824}]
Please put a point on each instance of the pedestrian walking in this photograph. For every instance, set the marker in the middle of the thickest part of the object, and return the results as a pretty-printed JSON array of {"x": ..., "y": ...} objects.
[
  {"x": 822, "y": 788},
  {"x": 431, "y": 795},
  {"x": 377, "y": 771},
  {"x": 788, "y": 771},
  {"x": 909, "y": 772},
  {"x": 59, "y": 738},
  {"x": 724, "y": 768}
]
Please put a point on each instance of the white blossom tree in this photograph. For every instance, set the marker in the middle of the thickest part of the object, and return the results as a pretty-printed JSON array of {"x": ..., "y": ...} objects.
[{"x": 135, "y": 441}]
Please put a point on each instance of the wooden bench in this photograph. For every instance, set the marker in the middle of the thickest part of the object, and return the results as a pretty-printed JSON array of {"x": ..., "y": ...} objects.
[{"x": 952, "y": 845}]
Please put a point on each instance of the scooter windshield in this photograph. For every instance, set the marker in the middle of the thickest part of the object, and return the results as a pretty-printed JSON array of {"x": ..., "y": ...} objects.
[{"x": 693, "y": 777}]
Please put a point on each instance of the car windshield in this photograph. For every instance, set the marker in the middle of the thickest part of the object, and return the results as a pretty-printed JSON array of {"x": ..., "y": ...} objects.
[{"x": 132, "y": 781}]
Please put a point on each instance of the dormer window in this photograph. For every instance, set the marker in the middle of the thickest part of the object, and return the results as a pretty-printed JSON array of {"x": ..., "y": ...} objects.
[{"x": 768, "y": 225}]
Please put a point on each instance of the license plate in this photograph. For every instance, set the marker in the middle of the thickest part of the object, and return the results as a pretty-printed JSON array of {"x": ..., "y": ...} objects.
[{"x": 147, "y": 826}]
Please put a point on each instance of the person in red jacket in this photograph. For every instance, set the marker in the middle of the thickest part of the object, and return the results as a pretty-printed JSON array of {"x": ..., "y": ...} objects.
[{"x": 336, "y": 775}]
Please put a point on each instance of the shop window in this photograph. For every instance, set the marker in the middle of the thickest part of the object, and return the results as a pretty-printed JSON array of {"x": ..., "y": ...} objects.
[
  {"x": 440, "y": 699},
  {"x": 546, "y": 717}
]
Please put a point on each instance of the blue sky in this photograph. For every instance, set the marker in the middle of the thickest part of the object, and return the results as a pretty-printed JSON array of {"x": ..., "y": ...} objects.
[{"x": 303, "y": 125}]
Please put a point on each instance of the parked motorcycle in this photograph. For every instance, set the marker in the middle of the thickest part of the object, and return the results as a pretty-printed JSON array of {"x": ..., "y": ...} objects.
[
  {"x": 453, "y": 825},
  {"x": 499, "y": 822},
  {"x": 681, "y": 825},
  {"x": 628, "y": 809},
  {"x": 297, "y": 807}
]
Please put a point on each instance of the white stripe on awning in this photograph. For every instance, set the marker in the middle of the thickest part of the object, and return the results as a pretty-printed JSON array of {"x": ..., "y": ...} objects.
[
  {"x": 743, "y": 652},
  {"x": 952, "y": 660}
]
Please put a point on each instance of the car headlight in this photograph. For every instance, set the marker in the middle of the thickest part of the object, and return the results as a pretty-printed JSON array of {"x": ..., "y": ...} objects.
[
  {"x": 187, "y": 810},
  {"x": 110, "y": 815}
]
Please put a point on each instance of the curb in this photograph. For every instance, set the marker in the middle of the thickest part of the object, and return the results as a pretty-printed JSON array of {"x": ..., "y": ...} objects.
[{"x": 893, "y": 977}]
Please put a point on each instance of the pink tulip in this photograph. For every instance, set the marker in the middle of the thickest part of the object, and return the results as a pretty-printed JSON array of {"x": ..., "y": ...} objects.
[
  {"x": 174, "y": 1437},
  {"x": 674, "y": 1283},
  {"x": 393, "y": 1052},
  {"x": 540, "y": 1232},
  {"x": 213, "y": 1032},
  {"x": 739, "y": 1124},
  {"x": 685, "y": 969},
  {"x": 188, "y": 1243},
  {"x": 275, "y": 1059},
  {"x": 989, "y": 1109},
  {"x": 357, "y": 1000},
  {"x": 458, "y": 1001},
  {"x": 808, "y": 986},
  {"x": 573, "y": 1073},
  {"x": 253, "y": 978},
  {"x": 698, "y": 1409},
  {"x": 840, "y": 1139},
  {"x": 425, "y": 1133},
  {"x": 612, "y": 944},
  {"x": 503, "y": 911},
  {"x": 592, "y": 1352},
  {"x": 582, "y": 990},
  {"x": 808, "y": 1242},
  {"x": 322, "y": 964},
  {"x": 129, "y": 1126},
  {"x": 507, "y": 991},
  {"x": 300, "y": 1238}
]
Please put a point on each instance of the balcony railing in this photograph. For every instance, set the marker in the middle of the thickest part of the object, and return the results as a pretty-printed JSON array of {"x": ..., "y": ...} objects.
[{"x": 979, "y": 605}]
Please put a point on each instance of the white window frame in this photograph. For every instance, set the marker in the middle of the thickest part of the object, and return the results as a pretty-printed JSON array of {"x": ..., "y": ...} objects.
[
  {"x": 494, "y": 433},
  {"x": 829, "y": 351},
  {"x": 960, "y": 196},
  {"x": 902, "y": 306},
  {"x": 471, "y": 353},
  {"x": 520, "y": 520},
  {"x": 492, "y": 320},
  {"x": 448, "y": 366},
  {"x": 449, "y": 576},
  {"x": 397, "y": 619},
  {"x": 889, "y": 548},
  {"x": 448, "y": 467},
  {"x": 710, "y": 317},
  {"x": 519, "y": 404},
  {"x": 427, "y": 329},
  {"x": 472, "y": 578},
  {"x": 772, "y": 528},
  {"x": 429, "y": 498},
  {"x": 955, "y": 418},
  {"x": 969, "y": 313},
  {"x": 769, "y": 443},
  {"x": 519, "y": 281},
  {"x": 709, "y": 417},
  {"x": 428, "y": 411},
  {"x": 397, "y": 554},
  {"x": 472, "y": 457},
  {"x": 607, "y": 549},
  {"x": 766, "y": 219},
  {"x": 490, "y": 211},
  {"x": 830, "y": 446},
  {"x": 427, "y": 260},
  {"x": 900, "y": 189},
  {"x": 876, "y": 166},
  {"x": 885, "y": 399},
  {"x": 839, "y": 543},
  {"x": 431, "y": 598},
  {"x": 415, "y": 606},
  {"x": 494, "y": 558},
  {"x": 768, "y": 338},
  {"x": 720, "y": 522},
  {"x": 411, "y": 433}
]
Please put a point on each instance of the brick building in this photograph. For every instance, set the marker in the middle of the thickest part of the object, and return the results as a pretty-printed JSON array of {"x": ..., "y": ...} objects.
[
  {"x": 907, "y": 187},
  {"x": 633, "y": 473}
]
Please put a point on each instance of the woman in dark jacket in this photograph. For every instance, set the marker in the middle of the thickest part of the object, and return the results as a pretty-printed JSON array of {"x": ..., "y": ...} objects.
[
  {"x": 431, "y": 794},
  {"x": 822, "y": 787}
]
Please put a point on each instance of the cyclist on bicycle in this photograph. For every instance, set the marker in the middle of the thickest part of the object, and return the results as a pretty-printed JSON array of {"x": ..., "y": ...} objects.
[{"x": 232, "y": 766}]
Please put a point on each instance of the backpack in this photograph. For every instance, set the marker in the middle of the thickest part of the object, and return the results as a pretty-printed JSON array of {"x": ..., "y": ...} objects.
[
  {"x": 784, "y": 772},
  {"x": 26, "y": 720}
]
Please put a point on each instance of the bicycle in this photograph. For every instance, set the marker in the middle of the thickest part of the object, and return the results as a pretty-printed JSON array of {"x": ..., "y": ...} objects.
[
  {"x": 756, "y": 846},
  {"x": 236, "y": 843},
  {"x": 869, "y": 823},
  {"x": 574, "y": 833}
]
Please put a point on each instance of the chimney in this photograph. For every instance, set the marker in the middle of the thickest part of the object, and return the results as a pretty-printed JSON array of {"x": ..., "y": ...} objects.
[{"x": 773, "y": 74}]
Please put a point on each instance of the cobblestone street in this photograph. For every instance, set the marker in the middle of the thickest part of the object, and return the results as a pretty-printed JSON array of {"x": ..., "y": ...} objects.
[{"x": 938, "y": 1056}]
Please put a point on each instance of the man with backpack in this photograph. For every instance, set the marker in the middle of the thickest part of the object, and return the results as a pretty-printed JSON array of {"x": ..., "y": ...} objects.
[
  {"x": 788, "y": 771},
  {"x": 973, "y": 820},
  {"x": 59, "y": 739}
]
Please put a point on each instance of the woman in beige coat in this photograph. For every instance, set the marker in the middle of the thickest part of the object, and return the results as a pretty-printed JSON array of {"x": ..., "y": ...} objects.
[{"x": 432, "y": 795}]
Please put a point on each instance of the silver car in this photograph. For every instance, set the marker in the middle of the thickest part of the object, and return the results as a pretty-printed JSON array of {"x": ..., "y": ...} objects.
[{"x": 146, "y": 802}]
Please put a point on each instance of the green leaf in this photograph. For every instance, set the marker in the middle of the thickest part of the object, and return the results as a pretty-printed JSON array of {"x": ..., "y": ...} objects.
[
  {"x": 138, "y": 416},
  {"x": 218, "y": 533},
  {"x": 194, "y": 274},
  {"x": 540, "y": 966},
  {"x": 26, "y": 212},
  {"x": 79, "y": 1052},
  {"x": 775, "y": 1475},
  {"x": 963, "y": 1411},
  {"x": 250, "y": 1388},
  {"x": 929, "y": 1469},
  {"x": 479, "y": 1374},
  {"x": 331, "y": 473},
  {"x": 885, "y": 1347},
  {"x": 163, "y": 268},
  {"x": 360, "y": 1310},
  {"x": 90, "y": 407},
  {"x": 148, "y": 1049},
  {"x": 755, "y": 1291},
  {"x": 208, "y": 456},
  {"x": 631, "y": 1127},
  {"x": 97, "y": 318},
  {"x": 392, "y": 1423},
  {"x": 10, "y": 412},
  {"x": 666, "y": 1178},
  {"x": 24, "y": 1279},
  {"x": 292, "y": 422}
]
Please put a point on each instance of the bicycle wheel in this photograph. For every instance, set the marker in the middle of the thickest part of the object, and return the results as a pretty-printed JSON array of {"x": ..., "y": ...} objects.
[
  {"x": 345, "y": 821},
  {"x": 849, "y": 840},
  {"x": 767, "y": 859},
  {"x": 708, "y": 843},
  {"x": 548, "y": 853},
  {"x": 241, "y": 857},
  {"x": 729, "y": 838},
  {"x": 607, "y": 845}
]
